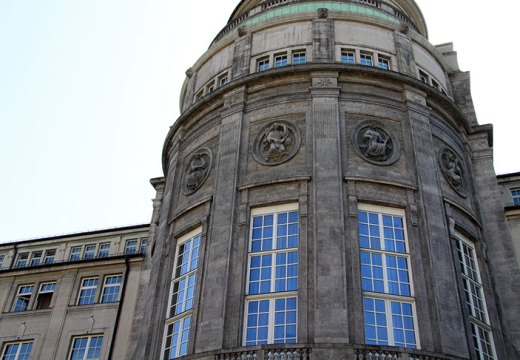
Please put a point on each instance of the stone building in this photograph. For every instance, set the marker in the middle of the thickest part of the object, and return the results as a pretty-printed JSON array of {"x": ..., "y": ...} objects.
[
  {"x": 510, "y": 189},
  {"x": 71, "y": 297},
  {"x": 328, "y": 193}
]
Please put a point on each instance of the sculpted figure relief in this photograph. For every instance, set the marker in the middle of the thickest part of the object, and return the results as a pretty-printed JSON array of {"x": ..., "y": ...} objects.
[
  {"x": 277, "y": 143},
  {"x": 375, "y": 144},
  {"x": 197, "y": 170},
  {"x": 453, "y": 170}
]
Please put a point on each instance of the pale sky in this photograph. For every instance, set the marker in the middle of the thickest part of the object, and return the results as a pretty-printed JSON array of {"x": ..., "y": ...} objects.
[{"x": 88, "y": 90}]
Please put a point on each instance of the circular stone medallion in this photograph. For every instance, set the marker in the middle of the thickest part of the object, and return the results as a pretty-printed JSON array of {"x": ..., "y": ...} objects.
[
  {"x": 276, "y": 143},
  {"x": 453, "y": 170},
  {"x": 375, "y": 144},
  {"x": 197, "y": 170}
]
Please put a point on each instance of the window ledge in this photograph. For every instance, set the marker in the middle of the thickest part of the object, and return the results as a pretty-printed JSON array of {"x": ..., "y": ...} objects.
[
  {"x": 26, "y": 313},
  {"x": 96, "y": 306}
]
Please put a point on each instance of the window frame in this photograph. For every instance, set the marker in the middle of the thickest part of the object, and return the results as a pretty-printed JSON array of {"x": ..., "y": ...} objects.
[
  {"x": 222, "y": 79},
  {"x": 14, "y": 307},
  {"x": 384, "y": 59},
  {"x": 2, "y": 257},
  {"x": 363, "y": 55},
  {"x": 19, "y": 259},
  {"x": 49, "y": 256},
  {"x": 263, "y": 63},
  {"x": 20, "y": 344},
  {"x": 272, "y": 296},
  {"x": 87, "y": 287},
  {"x": 186, "y": 314},
  {"x": 107, "y": 286},
  {"x": 515, "y": 195},
  {"x": 36, "y": 258},
  {"x": 298, "y": 53},
  {"x": 388, "y": 297},
  {"x": 470, "y": 273},
  {"x": 143, "y": 245},
  {"x": 89, "y": 251},
  {"x": 87, "y": 348},
  {"x": 75, "y": 255},
  {"x": 101, "y": 249},
  {"x": 40, "y": 292},
  {"x": 136, "y": 247}
]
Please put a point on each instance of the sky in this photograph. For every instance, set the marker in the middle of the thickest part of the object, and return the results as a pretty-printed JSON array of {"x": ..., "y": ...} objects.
[{"x": 89, "y": 89}]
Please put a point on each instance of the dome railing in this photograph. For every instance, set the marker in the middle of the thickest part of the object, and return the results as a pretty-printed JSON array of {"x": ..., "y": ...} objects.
[{"x": 268, "y": 5}]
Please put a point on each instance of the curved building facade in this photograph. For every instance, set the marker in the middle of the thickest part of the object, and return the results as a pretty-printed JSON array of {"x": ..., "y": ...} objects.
[{"x": 328, "y": 194}]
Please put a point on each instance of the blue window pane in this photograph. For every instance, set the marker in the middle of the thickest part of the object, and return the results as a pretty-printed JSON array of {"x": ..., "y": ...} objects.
[
  {"x": 292, "y": 242},
  {"x": 398, "y": 222},
  {"x": 268, "y": 220},
  {"x": 293, "y": 229},
  {"x": 290, "y": 331},
  {"x": 263, "y": 319},
  {"x": 255, "y": 275},
  {"x": 254, "y": 288},
  {"x": 374, "y": 230},
  {"x": 362, "y": 217},
  {"x": 291, "y": 303},
  {"x": 364, "y": 242},
  {"x": 396, "y": 308},
  {"x": 368, "y": 304},
  {"x": 279, "y": 304},
  {"x": 363, "y": 229},
  {"x": 292, "y": 284},
  {"x": 281, "y": 258},
  {"x": 265, "y": 287},
  {"x": 387, "y": 221},
  {"x": 279, "y": 318},
  {"x": 373, "y": 219},
  {"x": 251, "y": 335},
  {"x": 379, "y": 286},
  {"x": 262, "y": 333},
  {"x": 257, "y": 233},
  {"x": 268, "y": 232},
  {"x": 279, "y": 331},
  {"x": 293, "y": 216},
  {"x": 253, "y": 307},
  {"x": 380, "y": 305},
  {"x": 382, "y": 335},
  {"x": 282, "y": 218},
  {"x": 264, "y": 306},
  {"x": 282, "y": 230}
]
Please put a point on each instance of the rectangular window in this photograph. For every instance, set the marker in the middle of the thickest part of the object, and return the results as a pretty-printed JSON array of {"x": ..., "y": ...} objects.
[
  {"x": 365, "y": 59},
  {"x": 280, "y": 60},
  {"x": 298, "y": 57},
  {"x": 271, "y": 301},
  {"x": 75, "y": 253},
  {"x": 436, "y": 85},
  {"x": 383, "y": 62},
  {"x": 515, "y": 193},
  {"x": 23, "y": 296},
  {"x": 425, "y": 78},
  {"x": 199, "y": 95},
  {"x": 474, "y": 295},
  {"x": 131, "y": 247},
  {"x": 182, "y": 290},
  {"x": 103, "y": 250},
  {"x": 90, "y": 251},
  {"x": 111, "y": 289},
  {"x": 348, "y": 56},
  {"x": 36, "y": 258},
  {"x": 386, "y": 278},
  {"x": 87, "y": 292},
  {"x": 210, "y": 88},
  {"x": 144, "y": 245},
  {"x": 20, "y": 350},
  {"x": 222, "y": 80},
  {"x": 86, "y": 348},
  {"x": 43, "y": 300},
  {"x": 22, "y": 260},
  {"x": 1, "y": 260},
  {"x": 49, "y": 256},
  {"x": 262, "y": 64}
]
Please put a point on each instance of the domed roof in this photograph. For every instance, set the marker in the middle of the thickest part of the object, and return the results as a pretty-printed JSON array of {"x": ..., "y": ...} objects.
[{"x": 409, "y": 7}]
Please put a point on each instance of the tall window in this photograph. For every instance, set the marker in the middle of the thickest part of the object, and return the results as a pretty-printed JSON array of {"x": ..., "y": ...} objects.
[
  {"x": 23, "y": 296},
  {"x": 298, "y": 57},
  {"x": 182, "y": 290},
  {"x": 515, "y": 193},
  {"x": 1, "y": 260},
  {"x": 383, "y": 62},
  {"x": 144, "y": 245},
  {"x": 474, "y": 294},
  {"x": 44, "y": 298},
  {"x": 111, "y": 288},
  {"x": 36, "y": 258},
  {"x": 87, "y": 292},
  {"x": 388, "y": 304},
  {"x": 86, "y": 348},
  {"x": 272, "y": 279},
  {"x": 20, "y": 350}
]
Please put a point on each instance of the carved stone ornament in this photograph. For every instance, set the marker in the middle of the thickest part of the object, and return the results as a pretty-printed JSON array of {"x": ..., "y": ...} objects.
[
  {"x": 375, "y": 144},
  {"x": 242, "y": 31},
  {"x": 276, "y": 143},
  {"x": 197, "y": 170},
  {"x": 453, "y": 170},
  {"x": 323, "y": 13}
]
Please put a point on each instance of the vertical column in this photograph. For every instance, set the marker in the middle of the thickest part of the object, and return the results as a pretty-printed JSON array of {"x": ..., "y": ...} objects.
[
  {"x": 503, "y": 266},
  {"x": 241, "y": 54},
  {"x": 328, "y": 238},
  {"x": 211, "y": 329},
  {"x": 152, "y": 328},
  {"x": 323, "y": 37},
  {"x": 405, "y": 57},
  {"x": 447, "y": 325}
]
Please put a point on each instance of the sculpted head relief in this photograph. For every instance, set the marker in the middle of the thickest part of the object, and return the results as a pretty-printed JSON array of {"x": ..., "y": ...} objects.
[{"x": 277, "y": 142}]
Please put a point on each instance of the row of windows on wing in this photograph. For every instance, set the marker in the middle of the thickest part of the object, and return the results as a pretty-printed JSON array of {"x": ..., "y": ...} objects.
[
  {"x": 299, "y": 56},
  {"x": 90, "y": 251},
  {"x": 27, "y": 299},
  {"x": 515, "y": 194},
  {"x": 271, "y": 301},
  {"x": 86, "y": 347}
]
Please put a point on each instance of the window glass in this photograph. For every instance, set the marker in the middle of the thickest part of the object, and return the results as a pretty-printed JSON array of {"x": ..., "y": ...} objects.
[
  {"x": 383, "y": 63},
  {"x": 90, "y": 251},
  {"x": 348, "y": 57},
  {"x": 365, "y": 59},
  {"x": 177, "y": 337},
  {"x": 17, "y": 350},
  {"x": 144, "y": 245},
  {"x": 49, "y": 256},
  {"x": 515, "y": 193},
  {"x": 23, "y": 296},
  {"x": 262, "y": 64},
  {"x": 280, "y": 60},
  {"x": 131, "y": 247},
  {"x": 111, "y": 289},
  {"x": 299, "y": 58},
  {"x": 86, "y": 348},
  {"x": 75, "y": 253},
  {"x": 87, "y": 292},
  {"x": 22, "y": 260},
  {"x": 44, "y": 298},
  {"x": 103, "y": 250}
]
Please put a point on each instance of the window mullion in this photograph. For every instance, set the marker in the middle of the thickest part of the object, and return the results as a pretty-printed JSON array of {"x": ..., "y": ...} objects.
[
  {"x": 270, "y": 333},
  {"x": 389, "y": 322}
]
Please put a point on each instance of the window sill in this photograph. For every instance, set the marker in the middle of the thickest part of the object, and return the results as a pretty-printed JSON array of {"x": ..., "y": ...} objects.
[
  {"x": 26, "y": 313},
  {"x": 96, "y": 306}
]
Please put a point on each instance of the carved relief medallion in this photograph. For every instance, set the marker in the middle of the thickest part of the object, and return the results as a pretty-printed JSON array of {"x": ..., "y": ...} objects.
[
  {"x": 453, "y": 170},
  {"x": 197, "y": 170},
  {"x": 375, "y": 144},
  {"x": 276, "y": 143}
]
